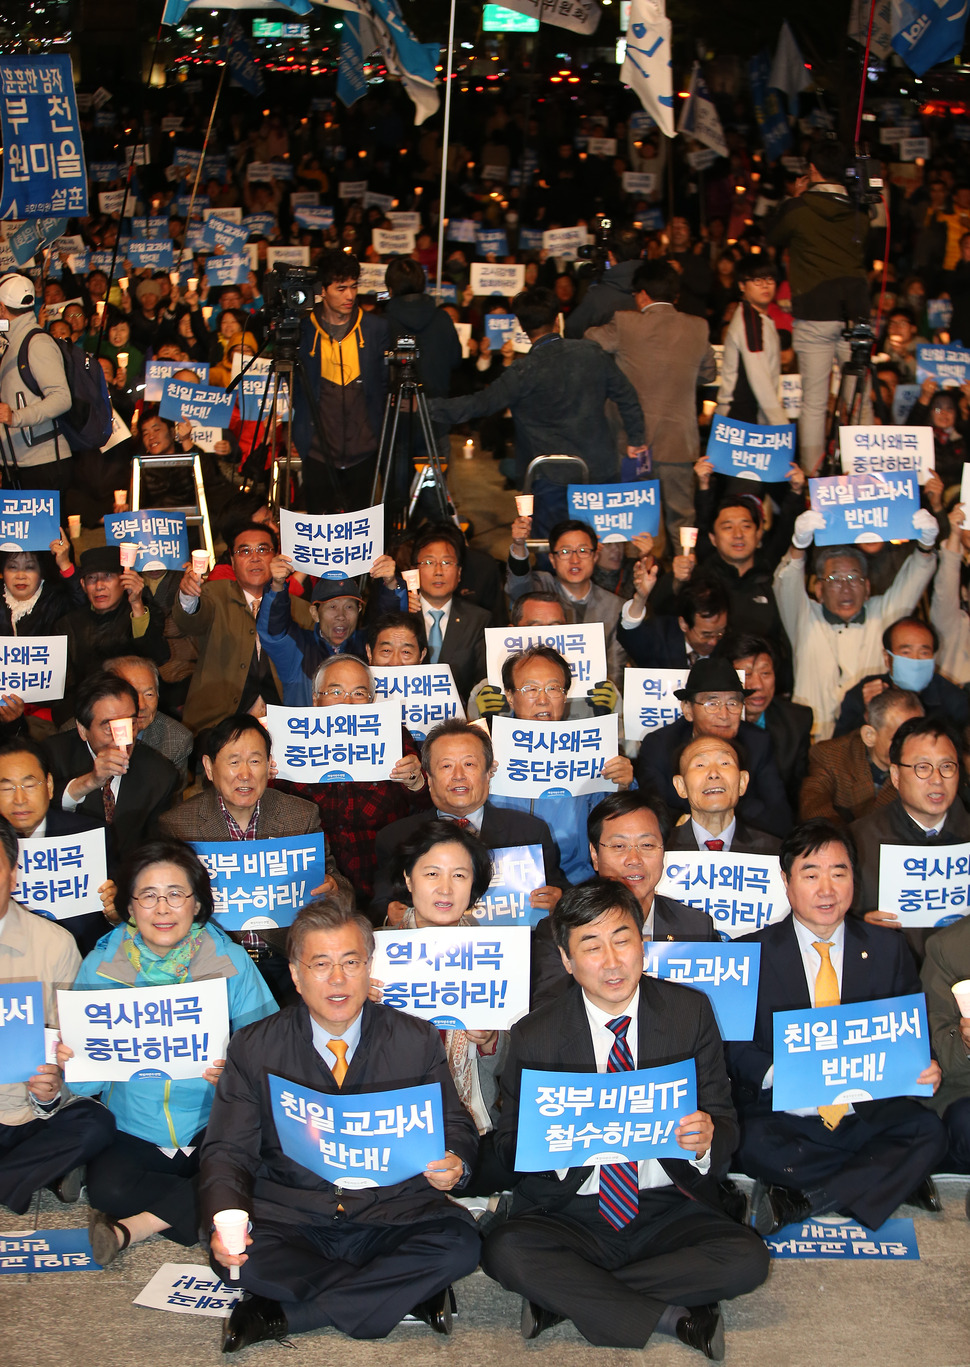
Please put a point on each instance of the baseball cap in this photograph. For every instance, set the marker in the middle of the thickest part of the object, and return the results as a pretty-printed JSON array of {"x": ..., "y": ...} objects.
[
  {"x": 16, "y": 291},
  {"x": 324, "y": 590}
]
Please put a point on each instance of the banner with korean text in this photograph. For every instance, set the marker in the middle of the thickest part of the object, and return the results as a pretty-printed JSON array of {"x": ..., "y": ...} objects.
[
  {"x": 41, "y": 133},
  {"x": 262, "y": 883},
  {"x": 727, "y": 974},
  {"x": 893, "y": 450},
  {"x": 456, "y": 977},
  {"x": 553, "y": 759},
  {"x": 750, "y": 451},
  {"x": 195, "y": 403},
  {"x": 518, "y": 870},
  {"x": 333, "y": 547},
  {"x": 426, "y": 693},
  {"x": 33, "y": 668},
  {"x": 58, "y": 876},
  {"x": 873, "y": 507},
  {"x": 21, "y": 1030},
  {"x": 47, "y": 1250},
  {"x": 582, "y": 647},
  {"x": 925, "y": 886},
  {"x": 740, "y": 892},
  {"x": 157, "y": 372},
  {"x": 617, "y": 512},
  {"x": 826, "y": 1237},
  {"x": 30, "y": 521},
  {"x": 648, "y": 700},
  {"x": 488, "y": 278},
  {"x": 336, "y": 744},
  {"x": 160, "y": 535},
  {"x": 188, "y": 1289},
  {"x": 947, "y": 365}
]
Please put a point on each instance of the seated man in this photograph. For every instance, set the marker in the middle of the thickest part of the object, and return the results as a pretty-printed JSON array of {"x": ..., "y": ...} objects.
[
  {"x": 627, "y": 833},
  {"x": 947, "y": 962},
  {"x": 660, "y": 1257},
  {"x": 788, "y": 724},
  {"x": 711, "y": 779},
  {"x": 848, "y": 776},
  {"x": 458, "y": 762},
  {"x": 698, "y": 622},
  {"x": 43, "y": 1141},
  {"x": 322, "y": 1254},
  {"x": 712, "y": 701},
  {"x": 861, "y": 1160},
  {"x": 909, "y": 650},
  {"x": 155, "y": 729}
]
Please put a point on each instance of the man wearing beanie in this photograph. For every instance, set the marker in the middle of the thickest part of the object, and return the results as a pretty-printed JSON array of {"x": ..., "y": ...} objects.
[{"x": 27, "y": 432}]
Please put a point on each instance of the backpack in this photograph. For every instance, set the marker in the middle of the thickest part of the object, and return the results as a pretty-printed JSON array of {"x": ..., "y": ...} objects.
[{"x": 86, "y": 426}]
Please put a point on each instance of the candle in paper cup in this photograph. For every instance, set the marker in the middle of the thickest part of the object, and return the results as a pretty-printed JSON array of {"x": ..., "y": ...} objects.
[
  {"x": 99, "y": 308},
  {"x": 469, "y": 449},
  {"x": 232, "y": 1226},
  {"x": 206, "y": 311},
  {"x": 961, "y": 991},
  {"x": 193, "y": 283},
  {"x": 121, "y": 732},
  {"x": 412, "y": 579},
  {"x": 122, "y": 359},
  {"x": 174, "y": 278},
  {"x": 200, "y": 562},
  {"x": 523, "y": 504},
  {"x": 688, "y": 539},
  {"x": 709, "y": 407},
  {"x": 121, "y": 497},
  {"x": 74, "y": 526},
  {"x": 123, "y": 283},
  {"x": 129, "y": 554}
]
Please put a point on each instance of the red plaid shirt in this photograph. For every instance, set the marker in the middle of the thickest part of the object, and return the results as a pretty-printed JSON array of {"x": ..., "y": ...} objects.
[{"x": 249, "y": 938}]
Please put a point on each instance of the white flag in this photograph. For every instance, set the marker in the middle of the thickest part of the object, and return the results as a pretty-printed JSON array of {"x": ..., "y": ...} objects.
[
  {"x": 699, "y": 118},
  {"x": 581, "y": 16},
  {"x": 788, "y": 71},
  {"x": 646, "y": 67},
  {"x": 882, "y": 26}
]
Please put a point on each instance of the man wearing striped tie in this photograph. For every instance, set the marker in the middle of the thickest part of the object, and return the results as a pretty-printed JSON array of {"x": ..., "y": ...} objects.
[{"x": 628, "y": 1249}]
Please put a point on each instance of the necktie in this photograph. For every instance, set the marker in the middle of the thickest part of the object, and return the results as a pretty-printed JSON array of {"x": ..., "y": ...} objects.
[
  {"x": 255, "y": 612},
  {"x": 619, "y": 1182},
  {"x": 460, "y": 821},
  {"x": 827, "y": 994},
  {"x": 435, "y": 638},
  {"x": 714, "y": 844},
  {"x": 339, "y": 1070},
  {"x": 108, "y": 798}
]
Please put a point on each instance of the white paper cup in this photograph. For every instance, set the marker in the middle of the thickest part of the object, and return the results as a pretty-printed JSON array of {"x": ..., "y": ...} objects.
[
  {"x": 128, "y": 551},
  {"x": 121, "y": 496},
  {"x": 74, "y": 526},
  {"x": 961, "y": 991},
  {"x": 412, "y": 580},
  {"x": 121, "y": 732},
  {"x": 123, "y": 283},
  {"x": 688, "y": 539},
  {"x": 200, "y": 562},
  {"x": 122, "y": 359},
  {"x": 523, "y": 504},
  {"x": 232, "y": 1226}
]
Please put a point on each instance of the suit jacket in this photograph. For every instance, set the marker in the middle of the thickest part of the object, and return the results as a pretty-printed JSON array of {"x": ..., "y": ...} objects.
[
  {"x": 674, "y": 1023},
  {"x": 789, "y": 724},
  {"x": 463, "y": 646},
  {"x": 500, "y": 829},
  {"x": 764, "y": 804},
  {"x": 875, "y": 963},
  {"x": 947, "y": 962},
  {"x": 243, "y": 1165},
  {"x": 939, "y": 695},
  {"x": 671, "y": 921},
  {"x": 889, "y": 825},
  {"x": 839, "y": 784},
  {"x": 747, "y": 839},
  {"x": 654, "y": 643}
]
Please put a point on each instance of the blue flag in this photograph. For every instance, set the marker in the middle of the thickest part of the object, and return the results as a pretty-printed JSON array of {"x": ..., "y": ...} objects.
[
  {"x": 239, "y": 56},
  {"x": 175, "y": 10},
  {"x": 772, "y": 118},
  {"x": 380, "y": 25},
  {"x": 351, "y": 84},
  {"x": 926, "y": 33},
  {"x": 43, "y": 153}
]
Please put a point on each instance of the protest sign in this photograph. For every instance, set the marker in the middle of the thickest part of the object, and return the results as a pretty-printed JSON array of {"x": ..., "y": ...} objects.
[
  {"x": 40, "y": 130},
  {"x": 161, "y": 537},
  {"x": 904, "y": 399},
  {"x": 617, "y": 512},
  {"x": 367, "y": 1139},
  {"x": 21, "y": 1030},
  {"x": 464, "y": 331},
  {"x": 373, "y": 278},
  {"x": 892, "y": 450},
  {"x": 565, "y": 242},
  {"x": 491, "y": 242},
  {"x": 835, "y": 1055},
  {"x": 290, "y": 256},
  {"x": 31, "y": 237},
  {"x": 702, "y": 159},
  {"x": 259, "y": 225},
  {"x": 727, "y": 974},
  {"x": 188, "y": 1289},
  {"x": 601, "y": 147},
  {"x": 47, "y": 1250},
  {"x": 949, "y": 366},
  {"x": 144, "y": 1032},
  {"x": 499, "y": 327},
  {"x": 461, "y": 230},
  {"x": 409, "y": 219},
  {"x": 219, "y": 232},
  {"x": 648, "y": 700},
  {"x": 336, "y": 744},
  {"x": 147, "y": 253},
  {"x": 351, "y": 189},
  {"x": 790, "y": 395},
  {"x": 58, "y": 876},
  {"x": 912, "y": 149},
  {"x": 579, "y": 1120},
  {"x": 255, "y": 389},
  {"x": 154, "y": 227},
  {"x": 104, "y": 172},
  {"x": 230, "y": 269},
  {"x": 740, "y": 892},
  {"x": 639, "y": 182},
  {"x": 827, "y": 1237},
  {"x": 925, "y": 887},
  {"x": 517, "y": 870},
  {"x": 110, "y": 201},
  {"x": 553, "y": 758},
  {"x": 263, "y": 883},
  {"x": 33, "y": 667},
  {"x": 582, "y": 647},
  {"x": 750, "y": 451},
  {"x": 939, "y": 314},
  {"x": 530, "y": 239},
  {"x": 372, "y": 200},
  {"x": 489, "y": 278},
  {"x": 393, "y": 241},
  {"x": 456, "y": 977},
  {"x": 426, "y": 693},
  {"x": 29, "y": 521},
  {"x": 333, "y": 547},
  {"x": 873, "y": 507},
  {"x": 315, "y": 217},
  {"x": 183, "y": 402}
]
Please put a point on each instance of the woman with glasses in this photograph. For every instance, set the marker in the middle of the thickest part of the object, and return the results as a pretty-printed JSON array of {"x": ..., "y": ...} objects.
[{"x": 144, "y": 1183}]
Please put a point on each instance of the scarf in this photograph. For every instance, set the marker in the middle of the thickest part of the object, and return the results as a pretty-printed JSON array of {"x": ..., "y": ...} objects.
[
  {"x": 752, "y": 327},
  {"x": 20, "y": 608},
  {"x": 173, "y": 967},
  {"x": 339, "y": 361}
]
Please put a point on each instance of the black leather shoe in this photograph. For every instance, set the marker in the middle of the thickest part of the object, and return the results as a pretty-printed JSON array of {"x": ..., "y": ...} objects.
[
  {"x": 67, "y": 1189},
  {"x": 436, "y": 1312},
  {"x": 734, "y": 1201},
  {"x": 536, "y": 1319},
  {"x": 254, "y": 1320},
  {"x": 773, "y": 1207},
  {"x": 703, "y": 1329},
  {"x": 925, "y": 1197}
]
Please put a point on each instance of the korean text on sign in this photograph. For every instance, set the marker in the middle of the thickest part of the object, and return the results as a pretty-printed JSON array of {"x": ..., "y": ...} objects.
[
  {"x": 174, "y": 1032},
  {"x": 29, "y": 522},
  {"x": 457, "y": 977},
  {"x": 333, "y": 547},
  {"x": 740, "y": 892},
  {"x": 617, "y": 512},
  {"x": 157, "y": 372},
  {"x": 550, "y": 758},
  {"x": 193, "y": 403},
  {"x": 33, "y": 667},
  {"x": 336, "y": 744},
  {"x": 367, "y": 1139},
  {"x": 874, "y": 507},
  {"x": 160, "y": 536},
  {"x": 576, "y": 1120},
  {"x": 517, "y": 871},
  {"x": 262, "y": 883},
  {"x": 895, "y": 1241},
  {"x": 925, "y": 887},
  {"x": 750, "y": 451},
  {"x": 828, "y": 1055},
  {"x": 43, "y": 150},
  {"x": 21, "y": 1030},
  {"x": 582, "y": 647},
  {"x": 648, "y": 700},
  {"x": 947, "y": 365},
  {"x": 58, "y": 876},
  {"x": 893, "y": 450},
  {"x": 47, "y": 1250},
  {"x": 426, "y": 693},
  {"x": 727, "y": 974},
  {"x": 188, "y": 1289}
]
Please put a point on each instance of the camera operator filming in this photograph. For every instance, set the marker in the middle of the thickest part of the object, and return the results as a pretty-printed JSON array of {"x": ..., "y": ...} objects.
[{"x": 34, "y": 455}]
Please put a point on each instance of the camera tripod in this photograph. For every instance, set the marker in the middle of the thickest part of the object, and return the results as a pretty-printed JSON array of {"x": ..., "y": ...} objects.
[
  {"x": 405, "y": 393},
  {"x": 857, "y": 382}
]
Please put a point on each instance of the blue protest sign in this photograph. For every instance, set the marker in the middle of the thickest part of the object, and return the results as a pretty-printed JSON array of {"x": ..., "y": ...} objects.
[
  {"x": 191, "y": 402},
  {"x": 948, "y": 365},
  {"x": 446, "y": 294},
  {"x": 363, "y": 1139},
  {"x": 904, "y": 397},
  {"x": 101, "y": 261},
  {"x": 769, "y": 112},
  {"x": 750, "y": 451},
  {"x": 828, "y": 1055},
  {"x": 29, "y": 522},
  {"x": 315, "y": 217},
  {"x": 456, "y": 977},
  {"x": 651, "y": 220},
  {"x": 41, "y": 133},
  {"x": 260, "y": 225},
  {"x": 157, "y": 372},
  {"x": 427, "y": 695},
  {"x": 155, "y": 255},
  {"x": 517, "y": 871},
  {"x": 926, "y": 34},
  {"x": 34, "y": 235},
  {"x": 160, "y": 536},
  {"x": 874, "y": 507},
  {"x": 254, "y": 401},
  {"x": 152, "y": 228},
  {"x": 491, "y": 243},
  {"x": 939, "y": 313},
  {"x": 219, "y": 232},
  {"x": 47, "y": 1250},
  {"x": 499, "y": 327},
  {"x": 530, "y": 239},
  {"x": 239, "y": 58},
  {"x": 727, "y": 974},
  {"x": 826, "y": 1237},
  {"x": 21, "y": 1030},
  {"x": 618, "y": 512},
  {"x": 104, "y": 172},
  {"x": 280, "y": 170},
  {"x": 231, "y": 269},
  {"x": 260, "y": 883},
  {"x": 574, "y": 1120}
]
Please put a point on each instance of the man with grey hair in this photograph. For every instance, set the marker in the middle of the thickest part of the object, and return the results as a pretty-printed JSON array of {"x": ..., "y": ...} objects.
[
  {"x": 837, "y": 638},
  {"x": 28, "y": 414},
  {"x": 163, "y": 733},
  {"x": 320, "y": 1253}
]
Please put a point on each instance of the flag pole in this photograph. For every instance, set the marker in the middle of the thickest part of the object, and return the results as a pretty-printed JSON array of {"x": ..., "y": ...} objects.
[
  {"x": 198, "y": 169},
  {"x": 444, "y": 150}
]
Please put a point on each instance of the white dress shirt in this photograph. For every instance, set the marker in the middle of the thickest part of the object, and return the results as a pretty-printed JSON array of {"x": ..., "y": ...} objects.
[
  {"x": 71, "y": 804},
  {"x": 702, "y": 836}
]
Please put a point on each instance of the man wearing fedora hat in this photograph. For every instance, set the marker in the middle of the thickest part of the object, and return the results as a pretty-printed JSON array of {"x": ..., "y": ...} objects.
[
  {"x": 29, "y": 438},
  {"x": 712, "y": 702}
]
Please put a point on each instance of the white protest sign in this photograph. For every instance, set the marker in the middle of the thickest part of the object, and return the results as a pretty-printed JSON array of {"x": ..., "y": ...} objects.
[
  {"x": 188, "y": 1289},
  {"x": 893, "y": 449},
  {"x": 488, "y": 278},
  {"x": 206, "y": 438},
  {"x": 33, "y": 667},
  {"x": 393, "y": 241},
  {"x": 639, "y": 182},
  {"x": 461, "y": 230},
  {"x": 292, "y": 256},
  {"x": 258, "y": 170},
  {"x": 582, "y": 647},
  {"x": 110, "y": 201},
  {"x": 168, "y": 1032},
  {"x": 408, "y": 220},
  {"x": 924, "y": 886},
  {"x": 372, "y": 200},
  {"x": 351, "y": 189},
  {"x": 464, "y": 331},
  {"x": 333, "y": 547},
  {"x": 648, "y": 700},
  {"x": 426, "y": 693},
  {"x": 564, "y": 242},
  {"x": 910, "y": 149},
  {"x": 702, "y": 158},
  {"x": 790, "y": 395},
  {"x": 965, "y": 488},
  {"x": 601, "y": 147},
  {"x": 232, "y": 213},
  {"x": 373, "y": 277},
  {"x": 457, "y": 977},
  {"x": 740, "y": 892},
  {"x": 59, "y": 875},
  {"x": 337, "y": 744},
  {"x": 553, "y": 758},
  {"x": 304, "y": 199}
]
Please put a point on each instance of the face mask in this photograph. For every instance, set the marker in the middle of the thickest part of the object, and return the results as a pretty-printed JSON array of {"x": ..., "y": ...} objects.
[{"x": 911, "y": 674}]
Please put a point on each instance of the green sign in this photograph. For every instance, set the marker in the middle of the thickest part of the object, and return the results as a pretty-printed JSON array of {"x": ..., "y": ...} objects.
[
  {"x": 268, "y": 28},
  {"x": 498, "y": 19}
]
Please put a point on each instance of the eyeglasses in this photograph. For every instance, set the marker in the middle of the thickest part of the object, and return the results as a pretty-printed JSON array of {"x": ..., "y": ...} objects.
[
  {"x": 149, "y": 900},
  {"x": 841, "y": 579},
  {"x": 437, "y": 564},
  {"x": 322, "y": 969},
  {"x": 924, "y": 769},
  {"x": 732, "y": 705},
  {"x": 551, "y": 690},
  {"x": 29, "y": 786},
  {"x": 338, "y": 694},
  {"x": 644, "y": 848},
  {"x": 261, "y": 551},
  {"x": 584, "y": 552}
]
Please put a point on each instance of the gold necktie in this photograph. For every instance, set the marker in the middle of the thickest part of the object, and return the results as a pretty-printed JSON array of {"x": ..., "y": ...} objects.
[
  {"x": 827, "y": 994},
  {"x": 339, "y": 1070}
]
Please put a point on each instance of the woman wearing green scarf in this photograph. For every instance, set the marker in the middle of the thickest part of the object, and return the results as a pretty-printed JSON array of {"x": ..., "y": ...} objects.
[{"x": 145, "y": 1182}]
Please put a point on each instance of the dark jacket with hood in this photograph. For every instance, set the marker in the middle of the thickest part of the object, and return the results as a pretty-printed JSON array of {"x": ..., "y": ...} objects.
[
  {"x": 321, "y": 355},
  {"x": 605, "y": 297},
  {"x": 417, "y": 315},
  {"x": 826, "y": 237}
]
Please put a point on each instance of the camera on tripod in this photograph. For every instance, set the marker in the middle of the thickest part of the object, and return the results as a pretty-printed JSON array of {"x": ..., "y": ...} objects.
[
  {"x": 288, "y": 298},
  {"x": 860, "y": 337},
  {"x": 403, "y": 352},
  {"x": 595, "y": 255}
]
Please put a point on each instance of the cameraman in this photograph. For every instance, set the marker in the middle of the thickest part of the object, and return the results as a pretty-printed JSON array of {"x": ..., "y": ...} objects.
[
  {"x": 825, "y": 234},
  {"x": 614, "y": 290}
]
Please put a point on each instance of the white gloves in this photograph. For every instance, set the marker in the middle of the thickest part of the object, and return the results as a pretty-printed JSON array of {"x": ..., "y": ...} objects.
[
  {"x": 806, "y": 525},
  {"x": 925, "y": 526}
]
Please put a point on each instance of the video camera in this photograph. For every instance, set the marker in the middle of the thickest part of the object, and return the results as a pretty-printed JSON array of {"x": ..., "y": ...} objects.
[
  {"x": 403, "y": 352},
  {"x": 287, "y": 299},
  {"x": 595, "y": 255},
  {"x": 863, "y": 180}
]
